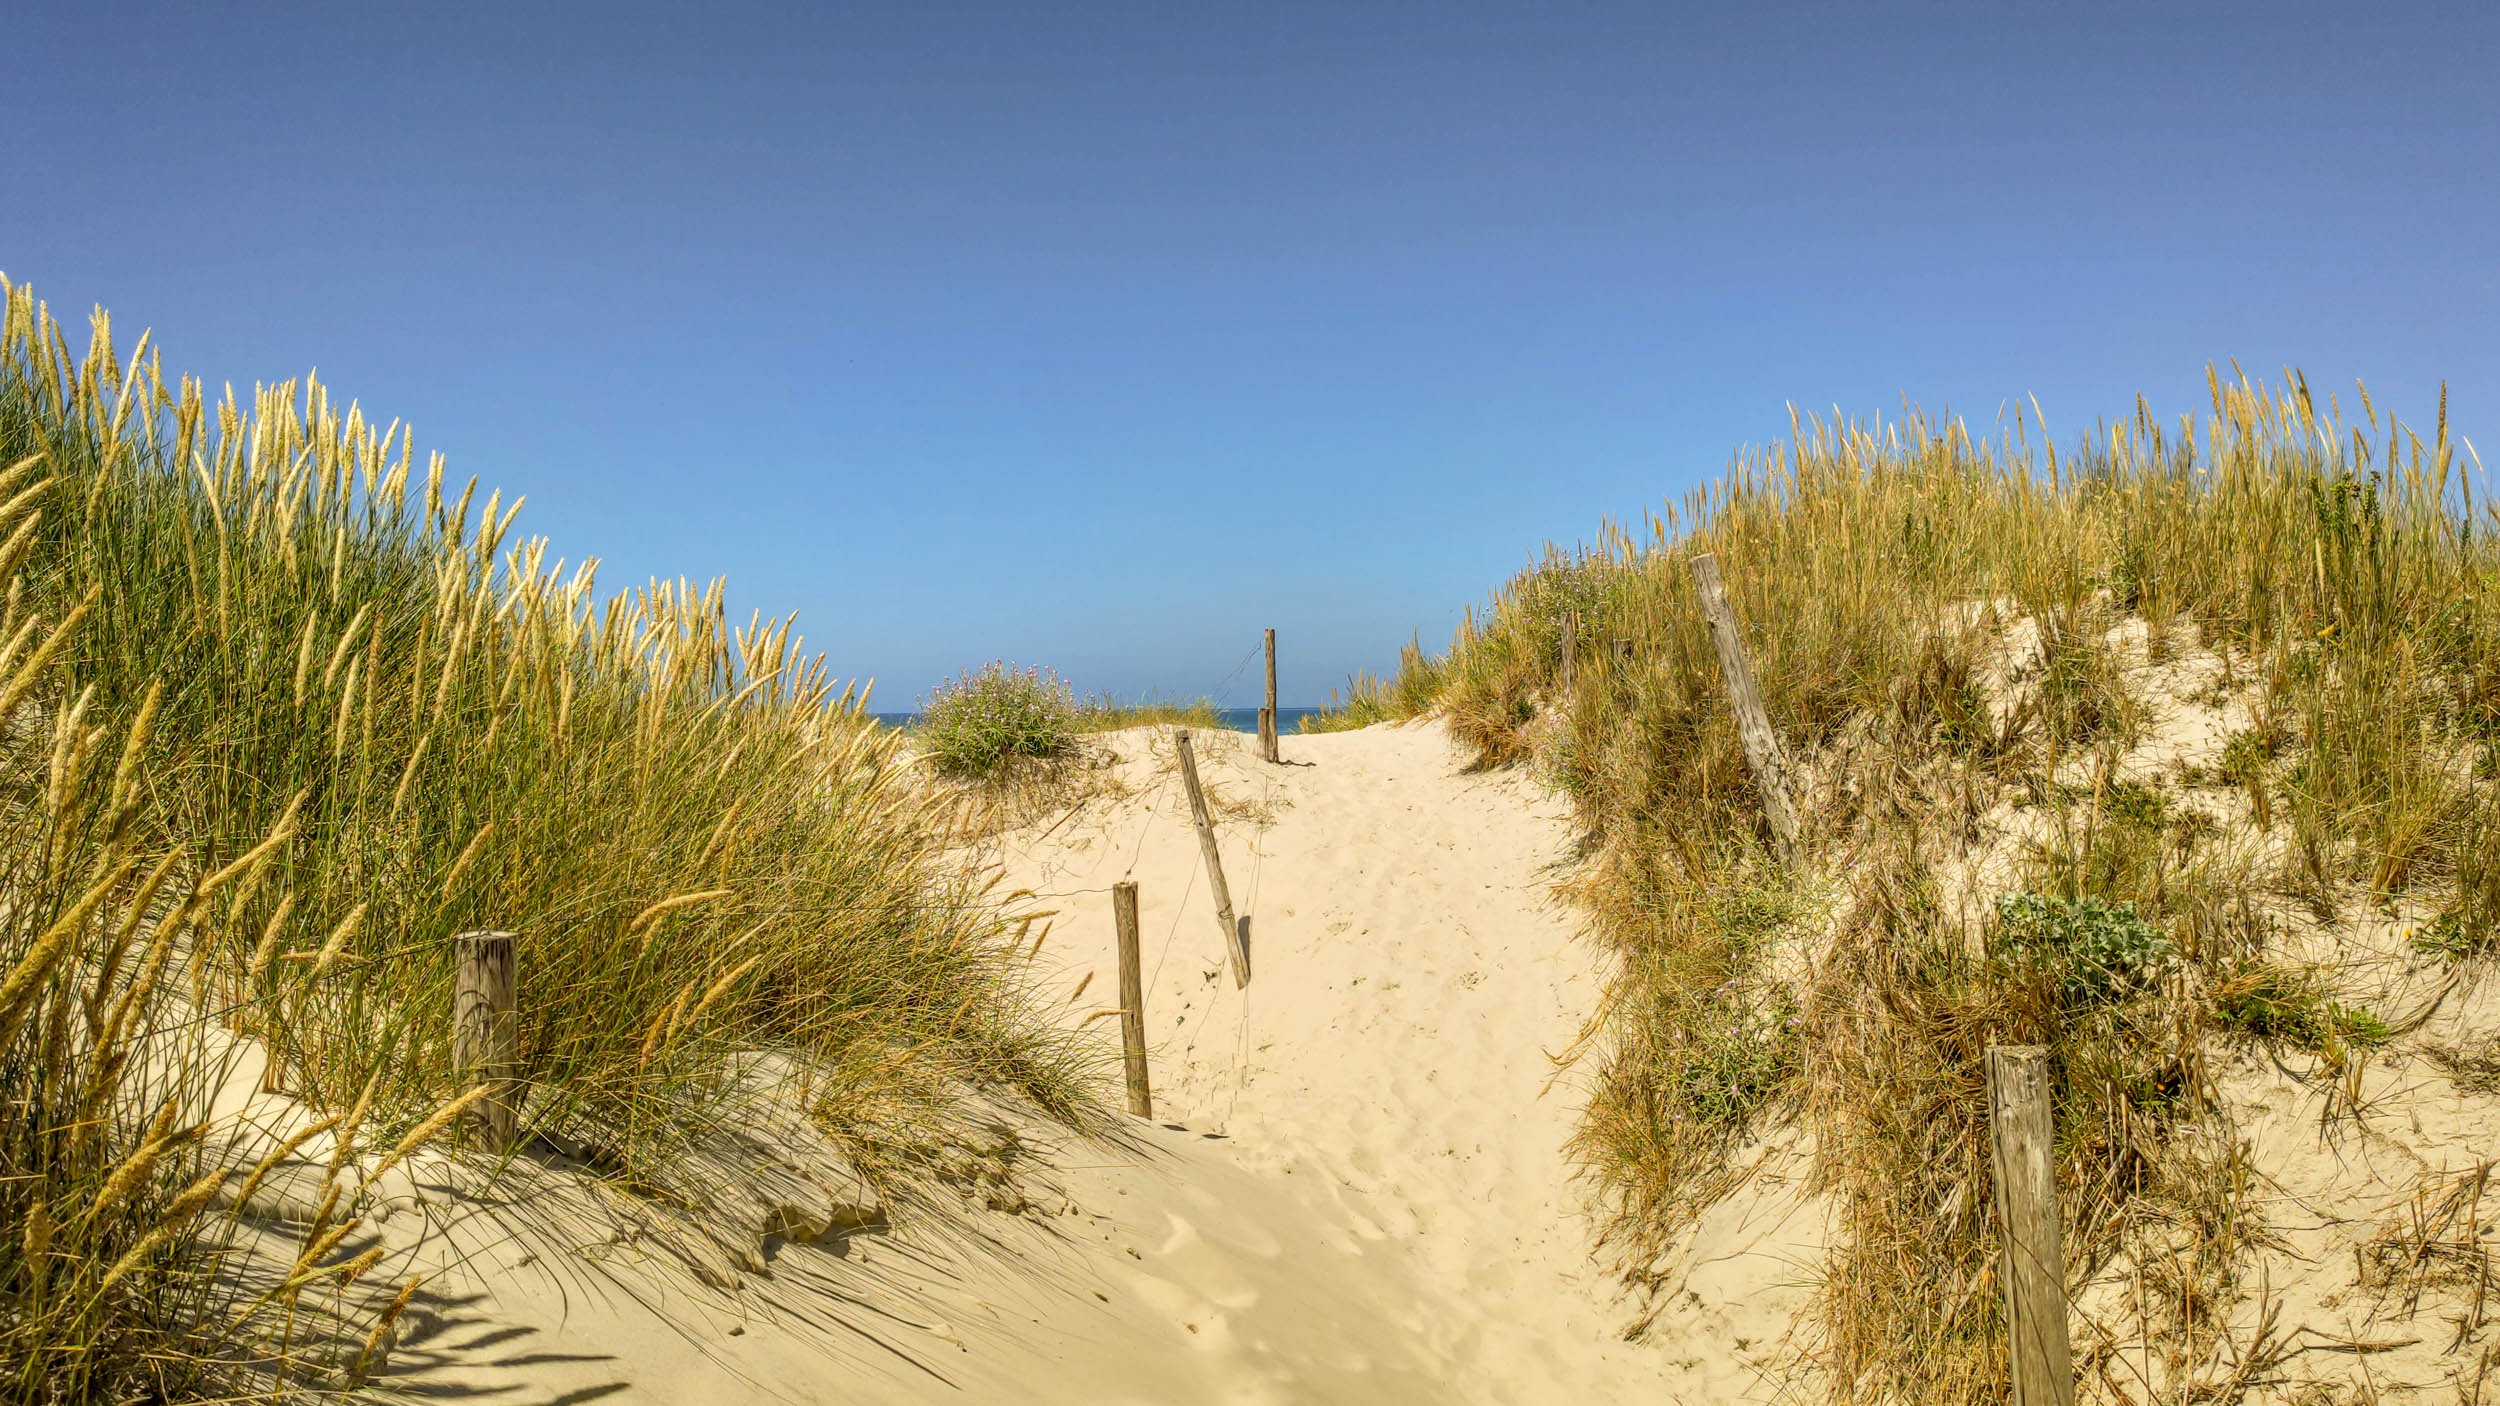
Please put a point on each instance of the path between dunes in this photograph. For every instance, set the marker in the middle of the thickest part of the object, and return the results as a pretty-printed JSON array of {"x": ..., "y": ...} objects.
[{"x": 1354, "y": 1189}]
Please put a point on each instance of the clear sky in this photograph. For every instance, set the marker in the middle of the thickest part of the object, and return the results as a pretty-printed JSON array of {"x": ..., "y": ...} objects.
[{"x": 1100, "y": 336}]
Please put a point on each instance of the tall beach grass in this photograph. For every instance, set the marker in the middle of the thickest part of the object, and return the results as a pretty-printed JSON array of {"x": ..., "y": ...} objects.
[
  {"x": 1952, "y": 633},
  {"x": 344, "y": 713}
]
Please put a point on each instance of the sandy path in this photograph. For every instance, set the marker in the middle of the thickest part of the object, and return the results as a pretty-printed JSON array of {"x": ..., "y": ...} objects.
[
  {"x": 1390, "y": 1059},
  {"x": 1354, "y": 1190}
]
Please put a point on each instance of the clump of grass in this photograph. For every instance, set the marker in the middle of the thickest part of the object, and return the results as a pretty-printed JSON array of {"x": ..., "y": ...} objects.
[
  {"x": 2082, "y": 698},
  {"x": 1368, "y": 699},
  {"x": 1104, "y": 713},
  {"x": 111, "y": 1150},
  {"x": 410, "y": 723},
  {"x": 2247, "y": 752},
  {"x": 982, "y": 722},
  {"x": 2269, "y": 1000}
]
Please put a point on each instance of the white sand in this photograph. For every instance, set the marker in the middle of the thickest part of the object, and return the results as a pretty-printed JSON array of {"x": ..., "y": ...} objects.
[{"x": 1355, "y": 1189}]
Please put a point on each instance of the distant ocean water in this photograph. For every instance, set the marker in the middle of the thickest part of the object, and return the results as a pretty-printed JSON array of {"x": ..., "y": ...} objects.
[{"x": 1238, "y": 719}]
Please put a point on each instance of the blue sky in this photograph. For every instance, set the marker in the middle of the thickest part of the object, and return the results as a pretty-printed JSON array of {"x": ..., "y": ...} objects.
[{"x": 1100, "y": 336}]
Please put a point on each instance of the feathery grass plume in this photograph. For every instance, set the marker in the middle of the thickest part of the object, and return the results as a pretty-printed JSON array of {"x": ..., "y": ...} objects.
[
  {"x": 174, "y": 1221},
  {"x": 384, "y": 1331}
]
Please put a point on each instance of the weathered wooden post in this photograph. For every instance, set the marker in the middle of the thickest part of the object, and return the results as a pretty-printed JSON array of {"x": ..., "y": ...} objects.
[
  {"x": 485, "y": 1039},
  {"x": 1141, "y": 1099},
  {"x": 1267, "y": 718},
  {"x": 1753, "y": 724},
  {"x": 1215, "y": 861},
  {"x": 2024, "y": 1132},
  {"x": 1570, "y": 647}
]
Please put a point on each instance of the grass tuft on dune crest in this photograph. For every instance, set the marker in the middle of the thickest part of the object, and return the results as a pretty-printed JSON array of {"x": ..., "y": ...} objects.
[{"x": 1369, "y": 699}]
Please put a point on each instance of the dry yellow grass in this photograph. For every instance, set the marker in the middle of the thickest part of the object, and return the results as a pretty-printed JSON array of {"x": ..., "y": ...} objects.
[{"x": 1953, "y": 634}]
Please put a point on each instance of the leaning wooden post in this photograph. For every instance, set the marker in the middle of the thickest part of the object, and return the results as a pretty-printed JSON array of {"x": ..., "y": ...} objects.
[
  {"x": 1215, "y": 861},
  {"x": 485, "y": 1039},
  {"x": 2024, "y": 1133},
  {"x": 1267, "y": 719},
  {"x": 1141, "y": 1100},
  {"x": 1753, "y": 724}
]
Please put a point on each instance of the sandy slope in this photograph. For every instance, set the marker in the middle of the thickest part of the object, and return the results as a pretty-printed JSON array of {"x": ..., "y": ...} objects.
[
  {"x": 1354, "y": 1191},
  {"x": 1390, "y": 1067}
]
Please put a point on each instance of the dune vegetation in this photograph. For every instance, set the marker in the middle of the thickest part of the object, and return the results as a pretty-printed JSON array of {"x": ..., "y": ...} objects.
[
  {"x": 284, "y": 711},
  {"x": 1368, "y": 698},
  {"x": 1980, "y": 654},
  {"x": 996, "y": 723}
]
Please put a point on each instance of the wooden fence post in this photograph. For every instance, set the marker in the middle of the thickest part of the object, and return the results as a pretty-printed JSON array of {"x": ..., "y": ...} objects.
[
  {"x": 485, "y": 1039},
  {"x": 1141, "y": 1099},
  {"x": 1570, "y": 647},
  {"x": 1753, "y": 724},
  {"x": 1267, "y": 719},
  {"x": 2024, "y": 1133},
  {"x": 1215, "y": 861}
]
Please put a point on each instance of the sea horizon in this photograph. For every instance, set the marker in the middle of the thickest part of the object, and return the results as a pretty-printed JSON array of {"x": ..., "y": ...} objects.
[{"x": 1233, "y": 719}]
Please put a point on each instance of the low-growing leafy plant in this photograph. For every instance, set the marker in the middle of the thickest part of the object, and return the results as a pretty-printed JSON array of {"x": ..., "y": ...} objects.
[
  {"x": 982, "y": 722},
  {"x": 2095, "y": 952},
  {"x": 2446, "y": 936}
]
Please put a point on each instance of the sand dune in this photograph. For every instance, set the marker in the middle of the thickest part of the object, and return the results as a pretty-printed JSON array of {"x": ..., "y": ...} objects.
[{"x": 1355, "y": 1188}]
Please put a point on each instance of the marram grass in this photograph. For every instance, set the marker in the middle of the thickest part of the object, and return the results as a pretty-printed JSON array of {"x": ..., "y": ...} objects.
[
  {"x": 341, "y": 713},
  {"x": 2340, "y": 571}
]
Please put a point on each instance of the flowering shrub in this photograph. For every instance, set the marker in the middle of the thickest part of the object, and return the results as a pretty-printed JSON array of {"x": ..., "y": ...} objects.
[{"x": 985, "y": 720}]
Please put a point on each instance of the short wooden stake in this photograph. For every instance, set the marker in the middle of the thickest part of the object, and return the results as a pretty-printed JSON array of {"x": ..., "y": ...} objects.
[
  {"x": 1267, "y": 719},
  {"x": 1141, "y": 1099},
  {"x": 1570, "y": 647},
  {"x": 2024, "y": 1132},
  {"x": 1753, "y": 723},
  {"x": 485, "y": 1039},
  {"x": 1215, "y": 861}
]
